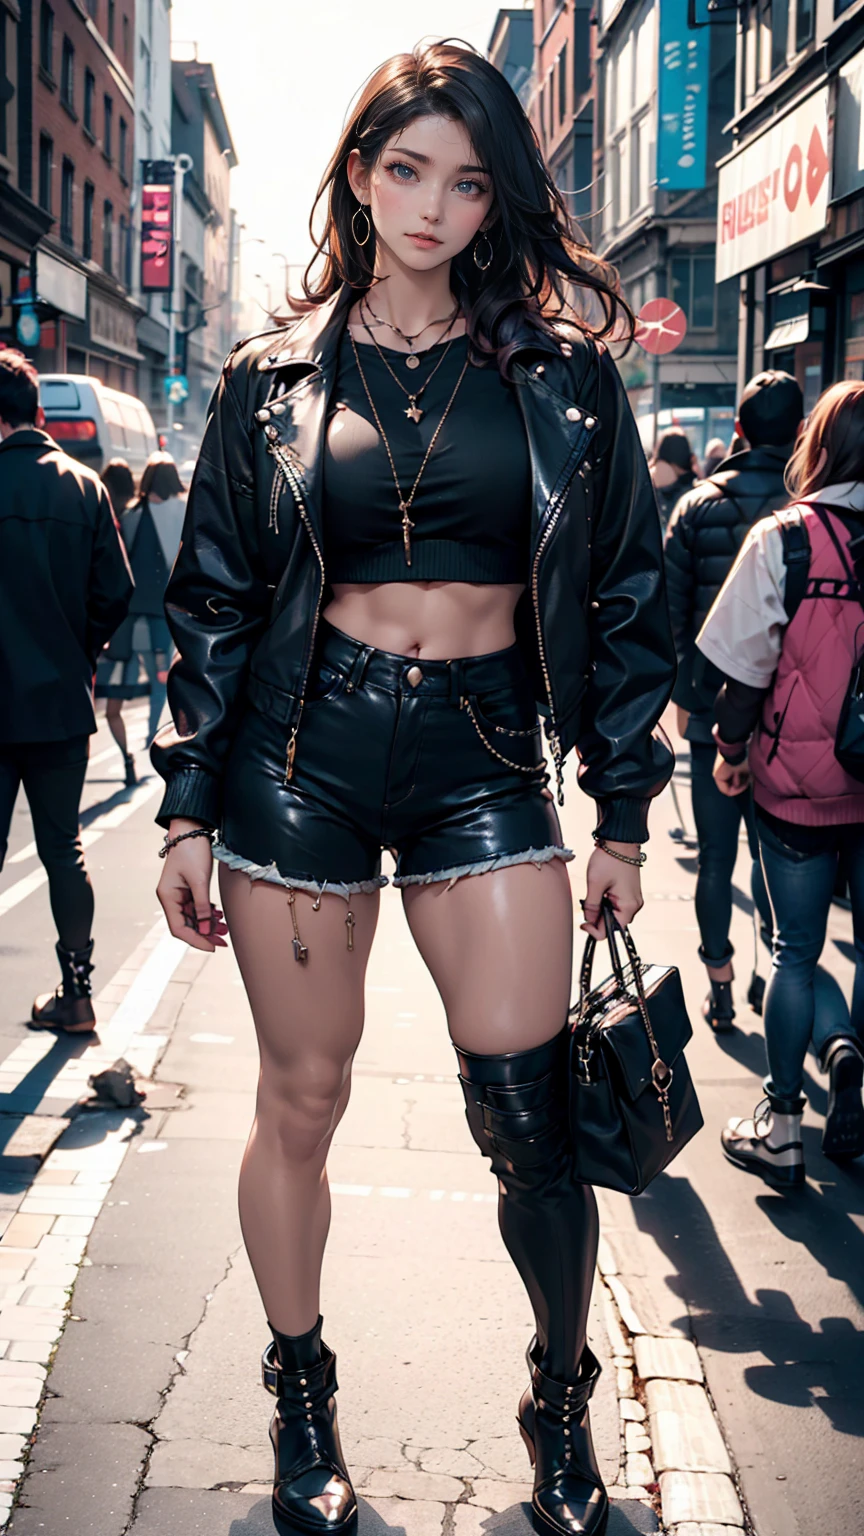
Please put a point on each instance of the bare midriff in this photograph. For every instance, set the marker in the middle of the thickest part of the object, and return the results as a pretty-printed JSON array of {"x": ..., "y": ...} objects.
[{"x": 436, "y": 619}]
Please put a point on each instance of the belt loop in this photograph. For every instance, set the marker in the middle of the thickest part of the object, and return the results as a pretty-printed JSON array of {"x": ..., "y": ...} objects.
[
  {"x": 357, "y": 670},
  {"x": 456, "y": 683}
]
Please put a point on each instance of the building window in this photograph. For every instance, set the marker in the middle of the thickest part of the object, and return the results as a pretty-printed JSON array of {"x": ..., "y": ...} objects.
[
  {"x": 67, "y": 75},
  {"x": 144, "y": 56},
  {"x": 46, "y": 164},
  {"x": 5, "y": 96},
  {"x": 122, "y": 148},
  {"x": 126, "y": 40},
  {"x": 87, "y": 235},
  {"x": 93, "y": 6},
  {"x": 581, "y": 52},
  {"x": 125, "y": 258},
  {"x": 108, "y": 137},
  {"x": 562, "y": 84},
  {"x": 779, "y": 34},
  {"x": 46, "y": 38},
  {"x": 842, "y": 5},
  {"x": 89, "y": 94},
  {"x": 640, "y": 163},
  {"x": 108, "y": 236},
  {"x": 67, "y": 188},
  {"x": 804, "y": 18},
  {"x": 691, "y": 285},
  {"x": 111, "y": 17}
]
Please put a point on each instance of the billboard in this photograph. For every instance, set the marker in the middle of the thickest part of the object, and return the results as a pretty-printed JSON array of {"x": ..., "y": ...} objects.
[
  {"x": 682, "y": 113},
  {"x": 774, "y": 193},
  {"x": 157, "y": 238}
]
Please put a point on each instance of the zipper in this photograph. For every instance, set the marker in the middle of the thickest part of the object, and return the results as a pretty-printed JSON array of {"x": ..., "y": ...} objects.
[
  {"x": 552, "y": 733},
  {"x": 288, "y": 469}
]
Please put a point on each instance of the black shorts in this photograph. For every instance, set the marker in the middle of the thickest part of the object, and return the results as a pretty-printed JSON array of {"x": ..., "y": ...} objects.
[{"x": 441, "y": 762}]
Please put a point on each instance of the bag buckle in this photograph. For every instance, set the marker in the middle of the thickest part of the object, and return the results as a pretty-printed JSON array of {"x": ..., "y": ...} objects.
[{"x": 662, "y": 1076}]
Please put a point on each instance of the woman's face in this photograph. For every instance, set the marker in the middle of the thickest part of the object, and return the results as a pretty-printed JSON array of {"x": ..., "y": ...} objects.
[{"x": 427, "y": 196}]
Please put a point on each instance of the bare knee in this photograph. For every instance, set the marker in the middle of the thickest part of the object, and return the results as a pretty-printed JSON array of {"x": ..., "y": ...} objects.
[{"x": 298, "y": 1110}]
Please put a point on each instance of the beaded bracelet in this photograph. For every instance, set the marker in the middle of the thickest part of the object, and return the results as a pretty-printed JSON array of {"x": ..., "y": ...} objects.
[
  {"x": 171, "y": 842},
  {"x": 625, "y": 858}
]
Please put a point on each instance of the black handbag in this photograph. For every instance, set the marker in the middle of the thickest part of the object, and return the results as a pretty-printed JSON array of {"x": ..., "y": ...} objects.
[{"x": 632, "y": 1101}]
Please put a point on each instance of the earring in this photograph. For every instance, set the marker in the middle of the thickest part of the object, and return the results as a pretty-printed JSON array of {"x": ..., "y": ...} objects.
[
  {"x": 361, "y": 209},
  {"x": 482, "y": 265}
]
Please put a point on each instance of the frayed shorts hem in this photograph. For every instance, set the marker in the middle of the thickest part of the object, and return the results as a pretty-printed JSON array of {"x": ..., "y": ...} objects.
[
  {"x": 270, "y": 872},
  {"x": 536, "y": 856}
]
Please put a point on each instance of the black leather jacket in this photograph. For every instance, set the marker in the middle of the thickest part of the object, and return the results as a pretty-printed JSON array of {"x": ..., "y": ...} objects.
[
  {"x": 707, "y": 529},
  {"x": 249, "y": 584}
]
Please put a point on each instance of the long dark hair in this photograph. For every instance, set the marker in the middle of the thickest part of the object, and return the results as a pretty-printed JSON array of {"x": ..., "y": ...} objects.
[
  {"x": 836, "y": 423},
  {"x": 541, "y": 266},
  {"x": 119, "y": 482}
]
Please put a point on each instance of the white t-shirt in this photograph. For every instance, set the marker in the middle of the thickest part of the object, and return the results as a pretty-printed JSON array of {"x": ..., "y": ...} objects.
[{"x": 743, "y": 633}]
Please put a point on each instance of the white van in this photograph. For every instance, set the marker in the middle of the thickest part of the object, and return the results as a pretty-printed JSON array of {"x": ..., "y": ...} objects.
[{"x": 94, "y": 423}]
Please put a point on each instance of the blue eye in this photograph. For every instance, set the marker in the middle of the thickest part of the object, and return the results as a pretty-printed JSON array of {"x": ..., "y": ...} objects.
[
  {"x": 399, "y": 165},
  {"x": 471, "y": 188}
]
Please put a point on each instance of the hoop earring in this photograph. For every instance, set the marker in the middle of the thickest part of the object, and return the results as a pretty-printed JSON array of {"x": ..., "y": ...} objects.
[
  {"x": 482, "y": 265},
  {"x": 361, "y": 209}
]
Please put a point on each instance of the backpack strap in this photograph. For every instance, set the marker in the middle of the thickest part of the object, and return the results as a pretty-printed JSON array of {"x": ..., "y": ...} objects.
[{"x": 796, "y": 557}]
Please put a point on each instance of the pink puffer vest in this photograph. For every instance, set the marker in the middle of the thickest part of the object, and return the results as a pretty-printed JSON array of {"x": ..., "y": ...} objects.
[{"x": 795, "y": 773}]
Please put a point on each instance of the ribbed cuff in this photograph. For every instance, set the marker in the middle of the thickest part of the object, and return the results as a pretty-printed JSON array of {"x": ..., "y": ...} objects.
[
  {"x": 622, "y": 820},
  {"x": 193, "y": 793},
  {"x": 734, "y": 753}
]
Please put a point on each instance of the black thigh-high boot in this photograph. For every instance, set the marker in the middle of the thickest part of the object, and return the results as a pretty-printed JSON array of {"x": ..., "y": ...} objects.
[
  {"x": 312, "y": 1492},
  {"x": 516, "y": 1106}
]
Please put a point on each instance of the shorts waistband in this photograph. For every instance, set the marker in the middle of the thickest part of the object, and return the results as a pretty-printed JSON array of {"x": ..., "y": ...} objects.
[{"x": 412, "y": 675}]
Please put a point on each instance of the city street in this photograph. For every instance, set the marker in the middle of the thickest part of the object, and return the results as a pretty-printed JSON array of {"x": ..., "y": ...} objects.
[{"x": 152, "y": 1420}]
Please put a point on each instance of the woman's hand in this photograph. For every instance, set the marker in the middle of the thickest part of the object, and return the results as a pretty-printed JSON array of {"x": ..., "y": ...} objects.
[
  {"x": 731, "y": 778},
  {"x": 621, "y": 883},
  {"x": 184, "y": 891}
]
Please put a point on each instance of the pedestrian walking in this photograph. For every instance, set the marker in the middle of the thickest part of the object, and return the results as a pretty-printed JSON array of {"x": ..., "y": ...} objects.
[
  {"x": 151, "y": 526},
  {"x": 785, "y": 631},
  {"x": 64, "y": 588},
  {"x": 367, "y": 604},
  {"x": 702, "y": 541},
  {"x": 119, "y": 482},
  {"x": 715, "y": 452},
  {"x": 673, "y": 471}
]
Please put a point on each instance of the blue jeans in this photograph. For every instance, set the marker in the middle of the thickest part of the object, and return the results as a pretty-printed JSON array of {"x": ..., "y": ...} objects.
[
  {"x": 801, "y": 886},
  {"x": 718, "y": 819}
]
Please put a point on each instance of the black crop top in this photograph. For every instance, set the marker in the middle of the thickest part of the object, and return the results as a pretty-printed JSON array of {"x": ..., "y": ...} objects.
[{"x": 472, "y": 508}]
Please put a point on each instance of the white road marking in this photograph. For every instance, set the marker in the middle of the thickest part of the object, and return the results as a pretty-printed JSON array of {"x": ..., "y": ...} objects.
[
  {"x": 205, "y": 1039},
  {"x": 400, "y": 1192}
]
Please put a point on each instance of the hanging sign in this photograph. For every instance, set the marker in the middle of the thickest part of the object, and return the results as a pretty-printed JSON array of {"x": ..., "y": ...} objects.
[
  {"x": 682, "y": 122},
  {"x": 661, "y": 326},
  {"x": 774, "y": 193},
  {"x": 157, "y": 243}
]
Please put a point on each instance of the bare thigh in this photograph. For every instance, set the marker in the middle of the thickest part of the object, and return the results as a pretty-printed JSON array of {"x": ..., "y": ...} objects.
[
  {"x": 499, "y": 947},
  {"x": 308, "y": 1017}
]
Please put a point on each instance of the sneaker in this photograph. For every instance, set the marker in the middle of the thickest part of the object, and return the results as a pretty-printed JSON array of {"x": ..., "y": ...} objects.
[{"x": 768, "y": 1144}]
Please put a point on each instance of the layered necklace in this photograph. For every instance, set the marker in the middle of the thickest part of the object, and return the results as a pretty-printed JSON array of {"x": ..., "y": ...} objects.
[
  {"x": 412, "y": 360},
  {"x": 414, "y": 413}
]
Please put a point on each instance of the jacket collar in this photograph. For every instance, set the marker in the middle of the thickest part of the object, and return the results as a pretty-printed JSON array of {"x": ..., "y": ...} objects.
[
  {"x": 765, "y": 457},
  {"x": 27, "y": 437}
]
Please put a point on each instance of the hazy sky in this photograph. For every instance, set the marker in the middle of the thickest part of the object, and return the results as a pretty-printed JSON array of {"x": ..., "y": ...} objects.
[{"x": 287, "y": 70}]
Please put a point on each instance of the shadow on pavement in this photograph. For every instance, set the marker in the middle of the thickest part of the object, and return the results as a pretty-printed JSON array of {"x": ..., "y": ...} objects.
[
  {"x": 627, "y": 1518},
  {"x": 808, "y": 1368}
]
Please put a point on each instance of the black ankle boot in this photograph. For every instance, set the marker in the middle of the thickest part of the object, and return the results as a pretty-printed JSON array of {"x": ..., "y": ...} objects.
[
  {"x": 843, "y": 1136},
  {"x": 312, "y": 1491},
  {"x": 718, "y": 1008},
  {"x": 569, "y": 1497},
  {"x": 70, "y": 1007},
  {"x": 130, "y": 776}
]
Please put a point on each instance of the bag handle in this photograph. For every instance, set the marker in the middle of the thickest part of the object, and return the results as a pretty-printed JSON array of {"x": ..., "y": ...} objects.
[{"x": 661, "y": 1074}]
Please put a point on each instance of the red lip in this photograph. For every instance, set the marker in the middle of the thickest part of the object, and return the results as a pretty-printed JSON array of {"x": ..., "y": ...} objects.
[{"x": 430, "y": 239}]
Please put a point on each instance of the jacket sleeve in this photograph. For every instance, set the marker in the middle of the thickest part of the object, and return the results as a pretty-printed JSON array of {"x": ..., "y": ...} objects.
[
  {"x": 215, "y": 604},
  {"x": 625, "y": 756},
  {"x": 110, "y": 585},
  {"x": 680, "y": 586}
]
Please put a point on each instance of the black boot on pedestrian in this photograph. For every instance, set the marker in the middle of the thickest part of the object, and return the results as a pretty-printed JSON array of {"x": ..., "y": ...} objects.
[
  {"x": 718, "y": 1008},
  {"x": 70, "y": 1007},
  {"x": 129, "y": 769},
  {"x": 516, "y": 1105},
  {"x": 312, "y": 1491},
  {"x": 569, "y": 1497},
  {"x": 756, "y": 993},
  {"x": 843, "y": 1136}
]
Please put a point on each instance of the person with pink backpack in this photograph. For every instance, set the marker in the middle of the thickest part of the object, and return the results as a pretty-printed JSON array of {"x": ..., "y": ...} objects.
[{"x": 787, "y": 632}]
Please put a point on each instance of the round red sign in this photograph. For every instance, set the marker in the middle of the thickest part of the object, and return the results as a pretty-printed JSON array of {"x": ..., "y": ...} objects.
[{"x": 661, "y": 325}]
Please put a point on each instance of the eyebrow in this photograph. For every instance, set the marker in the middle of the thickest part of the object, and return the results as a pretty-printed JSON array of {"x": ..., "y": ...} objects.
[{"x": 414, "y": 154}]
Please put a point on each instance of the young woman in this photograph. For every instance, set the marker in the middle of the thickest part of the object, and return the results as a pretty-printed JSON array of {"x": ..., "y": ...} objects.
[
  {"x": 787, "y": 682},
  {"x": 418, "y": 515},
  {"x": 151, "y": 528}
]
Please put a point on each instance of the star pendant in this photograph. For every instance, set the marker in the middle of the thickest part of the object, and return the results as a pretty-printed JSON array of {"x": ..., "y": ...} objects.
[{"x": 414, "y": 412}]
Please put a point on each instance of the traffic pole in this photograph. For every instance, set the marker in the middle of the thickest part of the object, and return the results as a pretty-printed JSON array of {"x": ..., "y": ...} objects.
[{"x": 182, "y": 164}]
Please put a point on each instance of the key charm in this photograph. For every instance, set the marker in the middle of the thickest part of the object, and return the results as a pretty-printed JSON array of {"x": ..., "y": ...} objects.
[
  {"x": 407, "y": 525},
  {"x": 301, "y": 951},
  {"x": 349, "y": 924}
]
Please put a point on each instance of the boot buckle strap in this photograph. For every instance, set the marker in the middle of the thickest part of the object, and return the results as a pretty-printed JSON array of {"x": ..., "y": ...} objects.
[{"x": 271, "y": 1374}]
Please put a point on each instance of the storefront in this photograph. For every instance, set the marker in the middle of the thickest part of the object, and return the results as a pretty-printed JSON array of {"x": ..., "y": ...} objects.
[
  {"x": 22, "y": 226},
  {"x": 841, "y": 257}
]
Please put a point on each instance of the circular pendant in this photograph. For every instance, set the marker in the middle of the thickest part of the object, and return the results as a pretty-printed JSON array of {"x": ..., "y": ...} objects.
[{"x": 411, "y": 361}]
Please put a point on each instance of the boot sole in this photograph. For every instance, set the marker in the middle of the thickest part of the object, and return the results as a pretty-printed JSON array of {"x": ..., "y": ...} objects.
[
  {"x": 843, "y": 1136},
  {"x": 290, "y": 1526},
  {"x": 782, "y": 1178}
]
